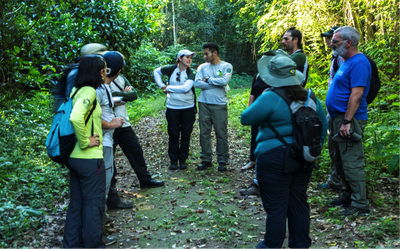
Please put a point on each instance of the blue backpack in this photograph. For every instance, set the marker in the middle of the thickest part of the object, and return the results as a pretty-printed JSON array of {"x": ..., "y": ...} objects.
[{"x": 61, "y": 139}]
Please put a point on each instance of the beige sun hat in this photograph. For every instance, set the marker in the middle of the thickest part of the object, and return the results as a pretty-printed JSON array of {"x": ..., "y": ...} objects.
[{"x": 93, "y": 48}]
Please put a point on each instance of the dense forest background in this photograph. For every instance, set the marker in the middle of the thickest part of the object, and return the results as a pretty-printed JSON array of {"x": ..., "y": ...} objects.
[{"x": 38, "y": 39}]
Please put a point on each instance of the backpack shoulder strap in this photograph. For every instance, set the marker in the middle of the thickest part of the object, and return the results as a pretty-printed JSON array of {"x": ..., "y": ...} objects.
[
  {"x": 282, "y": 94},
  {"x": 119, "y": 87},
  {"x": 171, "y": 71},
  {"x": 335, "y": 64}
]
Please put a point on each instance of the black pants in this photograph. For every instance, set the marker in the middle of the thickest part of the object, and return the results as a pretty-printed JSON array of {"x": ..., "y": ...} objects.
[
  {"x": 126, "y": 138},
  {"x": 83, "y": 226},
  {"x": 180, "y": 126},
  {"x": 253, "y": 144},
  {"x": 284, "y": 195}
]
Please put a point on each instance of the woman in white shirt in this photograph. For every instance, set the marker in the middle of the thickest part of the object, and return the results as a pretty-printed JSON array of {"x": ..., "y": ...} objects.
[{"x": 181, "y": 107}]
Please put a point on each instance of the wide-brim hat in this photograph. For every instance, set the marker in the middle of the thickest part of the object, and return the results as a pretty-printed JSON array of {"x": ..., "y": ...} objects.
[
  {"x": 278, "y": 69},
  {"x": 93, "y": 48},
  {"x": 185, "y": 52},
  {"x": 330, "y": 32}
]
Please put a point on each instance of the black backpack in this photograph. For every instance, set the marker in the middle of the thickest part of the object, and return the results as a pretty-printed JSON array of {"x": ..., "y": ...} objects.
[
  {"x": 188, "y": 72},
  {"x": 375, "y": 84},
  {"x": 60, "y": 86},
  {"x": 307, "y": 128}
]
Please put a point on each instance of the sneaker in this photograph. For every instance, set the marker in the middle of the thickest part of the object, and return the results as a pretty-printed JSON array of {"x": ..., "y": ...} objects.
[
  {"x": 355, "y": 211},
  {"x": 339, "y": 203},
  {"x": 222, "y": 167},
  {"x": 253, "y": 189},
  {"x": 204, "y": 165},
  {"x": 109, "y": 240},
  {"x": 173, "y": 165},
  {"x": 327, "y": 186}
]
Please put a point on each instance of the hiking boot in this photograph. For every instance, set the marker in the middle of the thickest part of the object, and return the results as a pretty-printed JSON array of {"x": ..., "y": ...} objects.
[
  {"x": 204, "y": 165},
  {"x": 151, "y": 184},
  {"x": 253, "y": 189},
  {"x": 124, "y": 204},
  {"x": 182, "y": 164},
  {"x": 355, "y": 211},
  {"x": 109, "y": 240},
  {"x": 339, "y": 203},
  {"x": 222, "y": 167},
  {"x": 173, "y": 165}
]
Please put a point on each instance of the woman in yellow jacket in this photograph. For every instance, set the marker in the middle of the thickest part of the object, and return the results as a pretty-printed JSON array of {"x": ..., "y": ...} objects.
[{"x": 83, "y": 226}]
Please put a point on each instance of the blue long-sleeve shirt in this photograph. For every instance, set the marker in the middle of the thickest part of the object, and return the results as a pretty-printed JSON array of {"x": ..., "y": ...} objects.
[{"x": 270, "y": 106}]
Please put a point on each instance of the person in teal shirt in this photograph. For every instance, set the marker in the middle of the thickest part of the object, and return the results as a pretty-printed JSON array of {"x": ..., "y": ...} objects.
[{"x": 283, "y": 192}]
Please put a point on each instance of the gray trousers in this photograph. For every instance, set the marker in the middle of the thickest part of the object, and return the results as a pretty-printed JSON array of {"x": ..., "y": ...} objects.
[
  {"x": 349, "y": 156},
  {"x": 217, "y": 116}
]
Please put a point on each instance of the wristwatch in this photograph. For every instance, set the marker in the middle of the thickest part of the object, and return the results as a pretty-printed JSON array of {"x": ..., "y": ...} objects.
[{"x": 345, "y": 121}]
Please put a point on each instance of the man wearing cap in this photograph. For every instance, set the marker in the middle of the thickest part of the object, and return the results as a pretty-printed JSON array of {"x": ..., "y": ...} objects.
[
  {"x": 181, "y": 108},
  {"x": 212, "y": 78},
  {"x": 292, "y": 43},
  {"x": 109, "y": 122},
  {"x": 91, "y": 48},
  {"x": 347, "y": 106},
  {"x": 283, "y": 180},
  {"x": 333, "y": 181}
]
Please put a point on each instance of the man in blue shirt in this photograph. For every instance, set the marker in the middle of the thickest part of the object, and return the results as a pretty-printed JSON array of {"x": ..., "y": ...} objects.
[{"x": 347, "y": 105}]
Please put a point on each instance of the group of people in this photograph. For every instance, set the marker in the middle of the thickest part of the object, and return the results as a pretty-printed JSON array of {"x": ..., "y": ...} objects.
[
  {"x": 282, "y": 181},
  {"x": 101, "y": 92}
]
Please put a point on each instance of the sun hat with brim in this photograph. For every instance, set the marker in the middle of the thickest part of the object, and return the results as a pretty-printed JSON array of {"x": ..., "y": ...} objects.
[
  {"x": 93, "y": 48},
  {"x": 330, "y": 32},
  {"x": 185, "y": 52},
  {"x": 279, "y": 70}
]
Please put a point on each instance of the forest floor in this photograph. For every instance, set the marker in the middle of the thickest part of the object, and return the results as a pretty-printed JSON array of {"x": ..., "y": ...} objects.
[{"x": 204, "y": 209}]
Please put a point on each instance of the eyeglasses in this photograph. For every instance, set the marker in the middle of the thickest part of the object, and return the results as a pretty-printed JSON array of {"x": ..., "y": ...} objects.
[
  {"x": 336, "y": 41},
  {"x": 178, "y": 76}
]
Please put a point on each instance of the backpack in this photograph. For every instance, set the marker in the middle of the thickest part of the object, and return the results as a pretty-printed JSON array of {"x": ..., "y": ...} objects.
[
  {"x": 188, "y": 72},
  {"x": 307, "y": 128},
  {"x": 61, "y": 139},
  {"x": 375, "y": 83},
  {"x": 60, "y": 86}
]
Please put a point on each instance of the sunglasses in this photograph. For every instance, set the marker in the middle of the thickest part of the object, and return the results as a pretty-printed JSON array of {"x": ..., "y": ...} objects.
[
  {"x": 336, "y": 41},
  {"x": 178, "y": 76}
]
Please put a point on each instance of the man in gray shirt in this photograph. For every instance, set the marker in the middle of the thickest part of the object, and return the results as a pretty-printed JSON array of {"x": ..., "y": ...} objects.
[{"x": 212, "y": 78}]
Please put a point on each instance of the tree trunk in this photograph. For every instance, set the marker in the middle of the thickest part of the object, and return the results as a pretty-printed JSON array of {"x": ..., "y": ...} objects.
[{"x": 173, "y": 22}]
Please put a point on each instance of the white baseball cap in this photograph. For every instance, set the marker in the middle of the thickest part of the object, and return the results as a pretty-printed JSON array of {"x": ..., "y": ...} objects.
[{"x": 185, "y": 52}]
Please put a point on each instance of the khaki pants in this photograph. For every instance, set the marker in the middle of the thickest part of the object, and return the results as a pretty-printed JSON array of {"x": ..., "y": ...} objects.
[
  {"x": 349, "y": 157},
  {"x": 217, "y": 116}
]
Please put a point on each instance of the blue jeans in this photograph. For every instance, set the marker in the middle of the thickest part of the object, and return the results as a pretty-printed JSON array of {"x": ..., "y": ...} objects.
[{"x": 284, "y": 195}]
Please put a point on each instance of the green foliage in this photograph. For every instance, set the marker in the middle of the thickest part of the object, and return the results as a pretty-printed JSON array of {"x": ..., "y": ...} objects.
[
  {"x": 38, "y": 45},
  {"x": 29, "y": 181}
]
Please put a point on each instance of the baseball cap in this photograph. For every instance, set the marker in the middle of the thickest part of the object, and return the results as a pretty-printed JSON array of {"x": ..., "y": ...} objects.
[
  {"x": 330, "y": 32},
  {"x": 114, "y": 60},
  {"x": 185, "y": 52}
]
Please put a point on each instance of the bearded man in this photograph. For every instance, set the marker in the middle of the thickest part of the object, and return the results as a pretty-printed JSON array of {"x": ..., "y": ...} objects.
[{"x": 347, "y": 106}]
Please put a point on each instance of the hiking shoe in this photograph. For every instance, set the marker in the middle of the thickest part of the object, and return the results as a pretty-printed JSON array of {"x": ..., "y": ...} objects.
[
  {"x": 204, "y": 165},
  {"x": 182, "y": 165},
  {"x": 253, "y": 189},
  {"x": 173, "y": 165},
  {"x": 222, "y": 167},
  {"x": 151, "y": 184},
  {"x": 327, "y": 186},
  {"x": 355, "y": 211},
  {"x": 339, "y": 203},
  {"x": 109, "y": 240}
]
